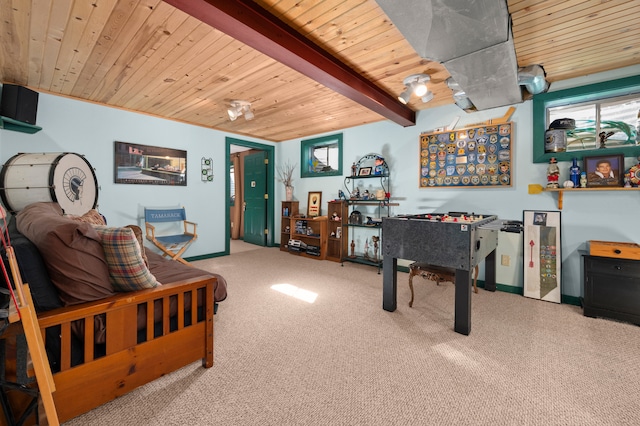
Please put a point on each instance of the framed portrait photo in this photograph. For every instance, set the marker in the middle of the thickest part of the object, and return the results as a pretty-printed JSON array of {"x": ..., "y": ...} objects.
[
  {"x": 313, "y": 203},
  {"x": 604, "y": 170},
  {"x": 364, "y": 171}
]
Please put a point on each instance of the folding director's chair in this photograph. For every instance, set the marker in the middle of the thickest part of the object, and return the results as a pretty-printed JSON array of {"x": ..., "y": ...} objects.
[{"x": 172, "y": 245}]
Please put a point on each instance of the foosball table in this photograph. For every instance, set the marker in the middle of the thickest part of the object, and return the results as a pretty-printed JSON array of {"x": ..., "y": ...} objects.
[{"x": 452, "y": 240}]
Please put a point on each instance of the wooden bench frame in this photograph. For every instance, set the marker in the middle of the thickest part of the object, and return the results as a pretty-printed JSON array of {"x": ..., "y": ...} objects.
[
  {"x": 437, "y": 274},
  {"x": 128, "y": 364}
]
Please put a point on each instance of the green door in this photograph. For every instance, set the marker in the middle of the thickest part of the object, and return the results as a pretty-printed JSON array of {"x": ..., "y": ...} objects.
[{"x": 255, "y": 198}]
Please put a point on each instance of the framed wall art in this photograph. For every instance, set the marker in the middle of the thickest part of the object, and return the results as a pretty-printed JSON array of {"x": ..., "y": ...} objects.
[
  {"x": 364, "y": 171},
  {"x": 542, "y": 255},
  {"x": 313, "y": 203},
  {"x": 477, "y": 156},
  {"x": 149, "y": 165},
  {"x": 604, "y": 170}
]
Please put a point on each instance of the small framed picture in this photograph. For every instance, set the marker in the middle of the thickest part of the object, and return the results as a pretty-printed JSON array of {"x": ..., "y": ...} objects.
[
  {"x": 313, "y": 203},
  {"x": 604, "y": 170},
  {"x": 364, "y": 171},
  {"x": 338, "y": 232}
]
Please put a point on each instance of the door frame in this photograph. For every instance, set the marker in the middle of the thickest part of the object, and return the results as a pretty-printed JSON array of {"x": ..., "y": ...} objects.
[{"x": 270, "y": 151}]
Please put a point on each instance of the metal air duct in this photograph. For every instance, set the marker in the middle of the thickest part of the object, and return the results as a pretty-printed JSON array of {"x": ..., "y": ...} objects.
[
  {"x": 472, "y": 39},
  {"x": 533, "y": 79}
]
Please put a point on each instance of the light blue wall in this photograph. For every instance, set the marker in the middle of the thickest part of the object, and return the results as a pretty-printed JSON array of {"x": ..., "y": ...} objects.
[
  {"x": 585, "y": 216},
  {"x": 89, "y": 129}
]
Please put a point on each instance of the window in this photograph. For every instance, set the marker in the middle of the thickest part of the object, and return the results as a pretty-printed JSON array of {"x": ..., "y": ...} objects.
[
  {"x": 610, "y": 107},
  {"x": 321, "y": 156}
]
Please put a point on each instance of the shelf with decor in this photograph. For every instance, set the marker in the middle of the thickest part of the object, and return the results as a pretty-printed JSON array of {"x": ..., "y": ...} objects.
[
  {"x": 338, "y": 234},
  {"x": 289, "y": 209},
  {"x": 365, "y": 231},
  {"x": 535, "y": 188},
  {"x": 308, "y": 237},
  {"x": 367, "y": 203}
]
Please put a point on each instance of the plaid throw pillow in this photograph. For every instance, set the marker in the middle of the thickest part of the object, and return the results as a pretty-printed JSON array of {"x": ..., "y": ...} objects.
[
  {"x": 138, "y": 233},
  {"x": 127, "y": 270}
]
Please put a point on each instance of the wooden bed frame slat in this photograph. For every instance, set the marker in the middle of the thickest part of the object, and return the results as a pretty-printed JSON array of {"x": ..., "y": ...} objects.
[{"x": 128, "y": 364}]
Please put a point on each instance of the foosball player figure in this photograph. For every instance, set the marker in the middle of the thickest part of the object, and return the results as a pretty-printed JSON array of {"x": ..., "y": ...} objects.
[{"x": 553, "y": 174}]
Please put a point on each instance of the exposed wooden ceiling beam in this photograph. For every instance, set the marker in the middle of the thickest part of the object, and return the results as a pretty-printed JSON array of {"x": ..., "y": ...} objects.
[{"x": 249, "y": 23}]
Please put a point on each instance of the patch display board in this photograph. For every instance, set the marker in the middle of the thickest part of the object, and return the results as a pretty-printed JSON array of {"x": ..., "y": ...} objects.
[{"x": 478, "y": 156}]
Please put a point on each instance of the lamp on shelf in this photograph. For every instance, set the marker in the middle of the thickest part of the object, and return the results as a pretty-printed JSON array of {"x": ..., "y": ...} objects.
[
  {"x": 239, "y": 108},
  {"x": 416, "y": 84}
]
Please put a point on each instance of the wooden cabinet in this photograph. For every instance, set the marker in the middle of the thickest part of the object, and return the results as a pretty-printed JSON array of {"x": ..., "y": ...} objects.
[
  {"x": 309, "y": 236},
  {"x": 611, "y": 288},
  {"x": 338, "y": 234},
  {"x": 289, "y": 209}
]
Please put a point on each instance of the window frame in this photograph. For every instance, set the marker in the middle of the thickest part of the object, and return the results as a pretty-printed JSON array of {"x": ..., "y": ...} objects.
[
  {"x": 589, "y": 93},
  {"x": 306, "y": 150}
]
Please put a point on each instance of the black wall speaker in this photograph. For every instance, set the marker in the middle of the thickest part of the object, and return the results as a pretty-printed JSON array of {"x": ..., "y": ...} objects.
[{"x": 19, "y": 103}]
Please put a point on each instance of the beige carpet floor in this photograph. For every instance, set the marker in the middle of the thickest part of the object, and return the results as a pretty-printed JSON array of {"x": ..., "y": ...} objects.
[
  {"x": 343, "y": 360},
  {"x": 238, "y": 246}
]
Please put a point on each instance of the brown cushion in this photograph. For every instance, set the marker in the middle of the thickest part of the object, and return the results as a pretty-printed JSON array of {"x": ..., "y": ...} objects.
[
  {"x": 71, "y": 251},
  {"x": 92, "y": 216}
]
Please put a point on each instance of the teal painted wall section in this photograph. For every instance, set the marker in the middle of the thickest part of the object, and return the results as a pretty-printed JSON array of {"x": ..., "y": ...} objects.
[
  {"x": 89, "y": 129},
  {"x": 605, "y": 216}
]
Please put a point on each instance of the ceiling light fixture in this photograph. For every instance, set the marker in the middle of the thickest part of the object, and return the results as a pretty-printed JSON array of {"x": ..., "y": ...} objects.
[
  {"x": 427, "y": 96},
  {"x": 239, "y": 108},
  {"x": 416, "y": 84}
]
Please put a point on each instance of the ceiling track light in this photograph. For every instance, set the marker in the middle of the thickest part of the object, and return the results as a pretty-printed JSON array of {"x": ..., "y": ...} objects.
[
  {"x": 427, "y": 96},
  {"x": 239, "y": 108},
  {"x": 416, "y": 84}
]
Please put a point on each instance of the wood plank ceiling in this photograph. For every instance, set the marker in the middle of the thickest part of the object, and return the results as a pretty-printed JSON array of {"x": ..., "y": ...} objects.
[{"x": 148, "y": 56}]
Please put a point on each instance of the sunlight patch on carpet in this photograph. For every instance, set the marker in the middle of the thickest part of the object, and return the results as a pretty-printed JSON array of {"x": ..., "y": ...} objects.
[
  {"x": 457, "y": 356},
  {"x": 298, "y": 293}
]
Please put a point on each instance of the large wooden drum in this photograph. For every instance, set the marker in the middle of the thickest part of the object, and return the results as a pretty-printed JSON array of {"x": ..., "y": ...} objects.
[{"x": 65, "y": 178}]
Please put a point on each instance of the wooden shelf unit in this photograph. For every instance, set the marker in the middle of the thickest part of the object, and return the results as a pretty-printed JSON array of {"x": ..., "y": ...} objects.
[
  {"x": 316, "y": 237},
  {"x": 289, "y": 209},
  {"x": 338, "y": 234},
  {"x": 535, "y": 188}
]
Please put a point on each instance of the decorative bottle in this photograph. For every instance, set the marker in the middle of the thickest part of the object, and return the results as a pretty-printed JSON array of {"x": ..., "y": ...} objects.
[{"x": 574, "y": 173}]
